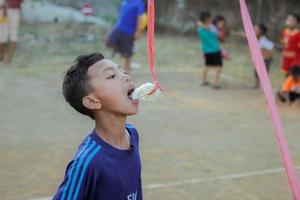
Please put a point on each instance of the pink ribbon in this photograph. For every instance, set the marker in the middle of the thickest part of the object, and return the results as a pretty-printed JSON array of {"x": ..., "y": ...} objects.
[
  {"x": 263, "y": 76},
  {"x": 151, "y": 49}
]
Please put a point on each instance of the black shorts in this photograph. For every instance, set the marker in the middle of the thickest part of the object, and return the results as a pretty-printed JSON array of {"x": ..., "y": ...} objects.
[
  {"x": 292, "y": 96},
  {"x": 121, "y": 42},
  {"x": 213, "y": 59}
]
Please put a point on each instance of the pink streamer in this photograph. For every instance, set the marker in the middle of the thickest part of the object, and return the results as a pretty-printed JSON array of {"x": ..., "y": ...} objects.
[
  {"x": 151, "y": 49},
  {"x": 263, "y": 76}
]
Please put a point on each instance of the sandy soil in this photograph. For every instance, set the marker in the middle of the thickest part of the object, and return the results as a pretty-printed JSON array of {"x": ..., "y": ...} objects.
[{"x": 191, "y": 133}]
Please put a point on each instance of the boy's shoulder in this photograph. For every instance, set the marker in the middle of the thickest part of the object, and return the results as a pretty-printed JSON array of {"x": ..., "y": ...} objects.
[
  {"x": 202, "y": 31},
  {"x": 133, "y": 133},
  {"x": 200, "y": 28},
  {"x": 131, "y": 128},
  {"x": 132, "y": 4},
  {"x": 92, "y": 146},
  {"x": 289, "y": 32},
  {"x": 87, "y": 152},
  {"x": 211, "y": 30}
]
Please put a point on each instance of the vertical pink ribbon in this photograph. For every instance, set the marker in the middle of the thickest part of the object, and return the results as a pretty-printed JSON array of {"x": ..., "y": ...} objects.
[
  {"x": 263, "y": 76},
  {"x": 150, "y": 40}
]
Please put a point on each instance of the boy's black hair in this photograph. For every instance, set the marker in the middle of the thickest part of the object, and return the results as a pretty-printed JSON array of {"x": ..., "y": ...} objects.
[
  {"x": 218, "y": 18},
  {"x": 295, "y": 71},
  {"x": 263, "y": 29},
  {"x": 296, "y": 16},
  {"x": 75, "y": 83},
  {"x": 204, "y": 16}
]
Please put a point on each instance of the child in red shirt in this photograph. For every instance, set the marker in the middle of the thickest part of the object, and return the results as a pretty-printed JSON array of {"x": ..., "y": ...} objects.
[{"x": 290, "y": 41}]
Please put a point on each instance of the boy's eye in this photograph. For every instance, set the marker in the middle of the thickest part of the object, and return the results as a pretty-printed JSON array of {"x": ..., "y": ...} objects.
[
  {"x": 111, "y": 76},
  {"x": 123, "y": 70}
]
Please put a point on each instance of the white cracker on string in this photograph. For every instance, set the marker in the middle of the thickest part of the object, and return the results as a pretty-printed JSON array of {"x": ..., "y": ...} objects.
[{"x": 143, "y": 92}]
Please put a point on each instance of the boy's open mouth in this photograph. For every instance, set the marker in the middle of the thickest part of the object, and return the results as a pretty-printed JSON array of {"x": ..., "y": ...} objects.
[{"x": 129, "y": 93}]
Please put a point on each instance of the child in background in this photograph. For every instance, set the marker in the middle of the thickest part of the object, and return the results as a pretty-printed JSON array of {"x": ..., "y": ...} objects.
[
  {"x": 266, "y": 47},
  {"x": 291, "y": 88},
  {"x": 219, "y": 23},
  {"x": 127, "y": 30},
  {"x": 3, "y": 27},
  {"x": 290, "y": 41},
  {"x": 211, "y": 48},
  {"x": 12, "y": 28}
]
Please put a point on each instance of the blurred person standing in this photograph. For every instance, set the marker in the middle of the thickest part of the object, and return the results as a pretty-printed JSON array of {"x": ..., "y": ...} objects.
[
  {"x": 3, "y": 27},
  {"x": 127, "y": 29},
  {"x": 290, "y": 91},
  {"x": 14, "y": 15},
  {"x": 210, "y": 45},
  {"x": 220, "y": 27},
  {"x": 266, "y": 47},
  {"x": 290, "y": 41}
]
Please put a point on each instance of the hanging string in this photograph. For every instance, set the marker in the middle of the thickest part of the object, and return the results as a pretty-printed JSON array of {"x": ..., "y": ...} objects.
[
  {"x": 151, "y": 49},
  {"x": 263, "y": 76}
]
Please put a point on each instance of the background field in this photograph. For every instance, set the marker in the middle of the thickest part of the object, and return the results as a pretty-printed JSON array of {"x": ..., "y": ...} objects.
[{"x": 196, "y": 142}]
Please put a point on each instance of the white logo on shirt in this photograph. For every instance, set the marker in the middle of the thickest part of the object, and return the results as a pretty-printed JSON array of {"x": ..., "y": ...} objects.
[{"x": 132, "y": 196}]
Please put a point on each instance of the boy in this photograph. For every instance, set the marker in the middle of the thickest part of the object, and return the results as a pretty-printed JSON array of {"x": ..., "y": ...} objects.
[
  {"x": 266, "y": 47},
  {"x": 127, "y": 29},
  {"x": 107, "y": 164},
  {"x": 291, "y": 88},
  {"x": 290, "y": 41},
  {"x": 219, "y": 24},
  {"x": 14, "y": 15},
  {"x": 211, "y": 48}
]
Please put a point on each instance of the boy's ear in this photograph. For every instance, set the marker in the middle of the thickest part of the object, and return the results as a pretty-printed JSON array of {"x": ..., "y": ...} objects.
[{"x": 91, "y": 102}]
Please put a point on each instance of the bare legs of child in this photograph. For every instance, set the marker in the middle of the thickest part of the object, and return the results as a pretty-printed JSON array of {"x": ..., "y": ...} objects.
[
  {"x": 11, "y": 51},
  {"x": 127, "y": 63},
  {"x": 256, "y": 78},
  {"x": 1, "y": 51},
  {"x": 216, "y": 84},
  {"x": 205, "y": 76},
  {"x": 257, "y": 82},
  {"x": 217, "y": 78}
]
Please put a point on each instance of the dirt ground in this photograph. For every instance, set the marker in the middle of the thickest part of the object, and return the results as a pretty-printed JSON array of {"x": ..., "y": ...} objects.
[{"x": 196, "y": 142}]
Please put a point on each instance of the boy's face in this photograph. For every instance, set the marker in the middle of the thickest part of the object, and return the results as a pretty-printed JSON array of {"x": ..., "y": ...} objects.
[
  {"x": 112, "y": 87},
  {"x": 257, "y": 31},
  {"x": 291, "y": 21},
  {"x": 221, "y": 24},
  {"x": 208, "y": 21}
]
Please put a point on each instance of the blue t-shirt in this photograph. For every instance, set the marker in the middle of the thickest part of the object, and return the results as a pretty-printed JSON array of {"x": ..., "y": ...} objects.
[
  {"x": 128, "y": 18},
  {"x": 209, "y": 40},
  {"x": 100, "y": 171}
]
